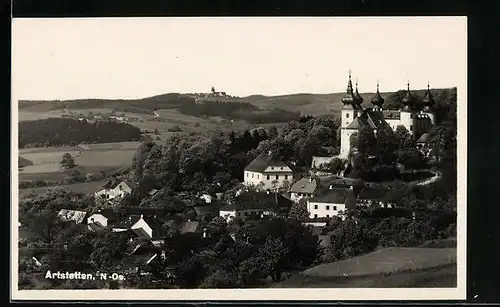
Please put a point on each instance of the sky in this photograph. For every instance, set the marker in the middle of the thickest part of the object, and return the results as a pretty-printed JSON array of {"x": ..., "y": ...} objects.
[{"x": 120, "y": 58}]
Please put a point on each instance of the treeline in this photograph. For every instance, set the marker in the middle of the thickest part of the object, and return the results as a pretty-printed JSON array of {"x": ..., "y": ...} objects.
[
  {"x": 237, "y": 110},
  {"x": 66, "y": 131}
]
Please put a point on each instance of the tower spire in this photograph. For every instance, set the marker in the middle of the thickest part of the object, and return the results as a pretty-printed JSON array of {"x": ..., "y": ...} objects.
[
  {"x": 377, "y": 100},
  {"x": 357, "y": 96},
  {"x": 349, "y": 98},
  {"x": 408, "y": 101},
  {"x": 428, "y": 101}
]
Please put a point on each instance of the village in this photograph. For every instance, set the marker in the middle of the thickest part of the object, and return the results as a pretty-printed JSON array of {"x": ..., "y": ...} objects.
[{"x": 316, "y": 195}]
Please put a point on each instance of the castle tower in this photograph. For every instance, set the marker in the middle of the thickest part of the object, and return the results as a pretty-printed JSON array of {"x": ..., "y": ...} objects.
[
  {"x": 359, "y": 99},
  {"x": 407, "y": 112},
  {"x": 377, "y": 100},
  {"x": 429, "y": 105},
  {"x": 348, "y": 113}
]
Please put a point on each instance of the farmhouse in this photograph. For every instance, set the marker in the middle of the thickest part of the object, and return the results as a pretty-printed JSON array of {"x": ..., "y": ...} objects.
[
  {"x": 354, "y": 118},
  {"x": 255, "y": 204},
  {"x": 113, "y": 189},
  {"x": 267, "y": 172},
  {"x": 66, "y": 215},
  {"x": 142, "y": 226},
  {"x": 304, "y": 188},
  {"x": 331, "y": 202}
]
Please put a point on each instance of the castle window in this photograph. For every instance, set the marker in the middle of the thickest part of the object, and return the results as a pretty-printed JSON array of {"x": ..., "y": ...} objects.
[
  {"x": 252, "y": 175},
  {"x": 277, "y": 177},
  {"x": 328, "y": 215},
  {"x": 286, "y": 177},
  {"x": 267, "y": 177},
  {"x": 258, "y": 176},
  {"x": 272, "y": 167},
  {"x": 347, "y": 115},
  {"x": 315, "y": 206},
  {"x": 411, "y": 127},
  {"x": 334, "y": 208},
  {"x": 281, "y": 168},
  {"x": 315, "y": 216},
  {"x": 327, "y": 207}
]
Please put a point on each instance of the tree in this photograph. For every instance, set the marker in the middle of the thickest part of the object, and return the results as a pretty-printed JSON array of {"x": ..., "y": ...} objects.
[
  {"x": 67, "y": 161},
  {"x": 298, "y": 211},
  {"x": 387, "y": 146}
]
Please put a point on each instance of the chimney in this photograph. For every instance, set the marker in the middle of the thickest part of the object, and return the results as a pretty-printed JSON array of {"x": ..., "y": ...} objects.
[
  {"x": 142, "y": 216},
  {"x": 351, "y": 187},
  {"x": 310, "y": 179},
  {"x": 330, "y": 187},
  {"x": 204, "y": 232}
]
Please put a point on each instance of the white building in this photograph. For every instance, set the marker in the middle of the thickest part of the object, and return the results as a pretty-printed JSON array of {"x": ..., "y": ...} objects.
[
  {"x": 142, "y": 226},
  {"x": 354, "y": 117},
  {"x": 113, "y": 189},
  {"x": 331, "y": 202},
  {"x": 267, "y": 172},
  {"x": 304, "y": 188},
  {"x": 256, "y": 204},
  {"x": 97, "y": 221}
]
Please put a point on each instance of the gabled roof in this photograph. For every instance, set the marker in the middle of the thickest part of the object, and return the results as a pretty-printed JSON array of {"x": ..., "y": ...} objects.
[
  {"x": 128, "y": 222},
  {"x": 304, "y": 185},
  {"x": 190, "y": 226},
  {"x": 333, "y": 196},
  {"x": 111, "y": 184},
  {"x": 260, "y": 200},
  {"x": 424, "y": 138},
  {"x": 262, "y": 162},
  {"x": 66, "y": 215}
]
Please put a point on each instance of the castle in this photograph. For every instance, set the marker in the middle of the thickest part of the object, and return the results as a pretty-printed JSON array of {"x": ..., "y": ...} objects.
[{"x": 415, "y": 119}]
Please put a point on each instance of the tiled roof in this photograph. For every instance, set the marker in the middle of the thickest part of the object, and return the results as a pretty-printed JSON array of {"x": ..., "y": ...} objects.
[
  {"x": 423, "y": 138},
  {"x": 66, "y": 215},
  {"x": 190, "y": 226},
  {"x": 334, "y": 196},
  {"x": 128, "y": 222},
  {"x": 304, "y": 185},
  {"x": 262, "y": 162}
]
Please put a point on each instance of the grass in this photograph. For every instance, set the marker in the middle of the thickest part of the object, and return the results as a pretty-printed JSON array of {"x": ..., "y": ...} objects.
[
  {"x": 86, "y": 188},
  {"x": 386, "y": 261},
  {"x": 438, "y": 277},
  {"x": 61, "y": 175},
  {"x": 111, "y": 158},
  {"x": 45, "y": 161}
]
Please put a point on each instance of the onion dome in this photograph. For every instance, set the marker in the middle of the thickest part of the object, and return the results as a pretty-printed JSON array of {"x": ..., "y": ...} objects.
[
  {"x": 357, "y": 96},
  {"x": 377, "y": 100},
  {"x": 408, "y": 101},
  {"x": 428, "y": 101},
  {"x": 349, "y": 98}
]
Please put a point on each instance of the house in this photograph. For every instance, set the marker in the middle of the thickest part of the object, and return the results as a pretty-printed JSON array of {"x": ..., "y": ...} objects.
[
  {"x": 304, "y": 188},
  {"x": 331, "y": 202},
  {"x": 370, "y": 196},
  {"x": 142, "y": 226},
  {"x": 259, "y": 203},
  {"x": 267, "y": 172},
  {"x": 66, "y": 215},
  {"x": 100, "y": 220},
  {"x": 113, "y": 189}
]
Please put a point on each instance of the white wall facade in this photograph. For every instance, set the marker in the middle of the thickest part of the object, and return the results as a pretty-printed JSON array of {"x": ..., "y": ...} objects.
[
  {"x": 266, "y": 179},
  {"x": 142, "y": 228},
  {"x": 347, "y": 116},
  {"x": 120, "y": 190},
  {"x": 394, "y": 123},
  {"x": 320, "y": 209},
  {"x": 98, "y": 219},
  {"x": 406, "y": 120},
  {"x": 228, "y": 215},
  {"x": 345, "y": 142}
]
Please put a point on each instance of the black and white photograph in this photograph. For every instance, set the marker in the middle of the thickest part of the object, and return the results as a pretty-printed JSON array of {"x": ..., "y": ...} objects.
[{"x": 239, "y": 158}]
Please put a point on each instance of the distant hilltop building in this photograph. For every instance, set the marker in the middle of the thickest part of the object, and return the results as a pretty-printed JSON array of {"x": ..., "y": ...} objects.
[
  {"x": 417, "y": 121},
  {"x": 214, "y": 95}
]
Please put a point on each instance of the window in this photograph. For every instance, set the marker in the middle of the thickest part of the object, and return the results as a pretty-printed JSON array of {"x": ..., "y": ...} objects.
[
  {"x": 248, "y": 174},
  {"x": 334, "y": 208},
  {"x": 328, "y": 215},
  {"x": 347, "y": 115},
  {"x": 252, "y": 175},
  {"x": 258, "y": 176},
  {"x": 277, "y": 177},
  {"x": 272, "y": 167},
  {"x": 315, "y": 216},
  {"x": 238, "y": 213},
  {"x": 281, "y": 168},
  {"x": 246, "y": 213},
  {"x": 411, "y": 127},
  {"x": 327, "y": 207},
  {"x": 267, "y": 177},
  {"x": 315, "y": 206},
  {"x": 286, "y": 177}
]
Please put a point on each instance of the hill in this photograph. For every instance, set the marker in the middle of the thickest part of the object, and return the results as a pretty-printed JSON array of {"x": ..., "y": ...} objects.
[
  {"x": 305, "y": 103},
  {"x": 389, "y": 267}
]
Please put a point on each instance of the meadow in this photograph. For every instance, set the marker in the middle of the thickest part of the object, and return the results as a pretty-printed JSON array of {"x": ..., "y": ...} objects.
[
  {"x": 89, "y": 158},
  {"x": 85, "y": 187},
  {"x": 389, "y": 267}
]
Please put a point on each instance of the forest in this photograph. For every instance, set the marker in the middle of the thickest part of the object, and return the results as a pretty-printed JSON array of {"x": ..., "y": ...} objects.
[{"x": 67, "y": 131}]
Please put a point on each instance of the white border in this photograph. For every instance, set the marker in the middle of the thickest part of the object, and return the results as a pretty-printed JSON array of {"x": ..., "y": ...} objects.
[{"x": 329, "y": 294}]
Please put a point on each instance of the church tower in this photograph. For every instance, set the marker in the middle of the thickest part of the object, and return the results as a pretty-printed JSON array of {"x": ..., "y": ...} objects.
[
  {"x": 429, "y": 105},
  {"x": 348, "y": 113},
  {"x": 377, "y": 101},
  {"x": 407, "y": 112}
]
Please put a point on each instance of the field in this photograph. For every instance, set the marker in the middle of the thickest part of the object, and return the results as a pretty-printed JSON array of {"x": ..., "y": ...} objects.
[
  {"x": 390, "y": 267},
  {"x": 86, "y": 187},
  {"x": 89, "y": 158}
]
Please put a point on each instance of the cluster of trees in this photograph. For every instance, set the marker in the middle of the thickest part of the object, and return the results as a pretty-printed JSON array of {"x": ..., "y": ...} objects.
[
  {"x": 238, "y": 110},
  {"x": 67, "y": 131},
  {"x": 214, "y": 163}
]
